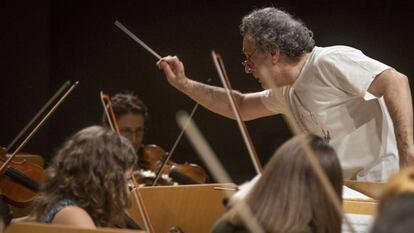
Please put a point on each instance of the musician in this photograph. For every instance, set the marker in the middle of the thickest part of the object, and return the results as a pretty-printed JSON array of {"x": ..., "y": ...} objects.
[
  {"x": 361, "y": 104},
  {"x": 86, "y": 182},
  {"x": 289, "y": 197},
  {"x": 131, "y": 114}
]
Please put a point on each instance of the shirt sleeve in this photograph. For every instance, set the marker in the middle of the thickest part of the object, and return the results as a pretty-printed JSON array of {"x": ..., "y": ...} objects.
[
  {"x": 351, "y": 71},
  {"x": 274, "y": 100}
]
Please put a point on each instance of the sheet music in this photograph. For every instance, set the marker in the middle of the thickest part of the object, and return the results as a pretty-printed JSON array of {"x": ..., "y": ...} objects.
[
  {"x": 351, "y": 194},
  {"x": 362, "y": 223}
]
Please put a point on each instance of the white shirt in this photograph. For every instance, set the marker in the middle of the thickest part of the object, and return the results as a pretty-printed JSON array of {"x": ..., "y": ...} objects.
[{"x": 330, "y": 97}]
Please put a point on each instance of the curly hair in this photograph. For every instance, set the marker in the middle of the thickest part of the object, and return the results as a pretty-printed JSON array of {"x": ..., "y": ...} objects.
[
  {"x": 272, "y": 28},
  {"x": 89, "y": 169},
  {"x": 126, "y": 102}
]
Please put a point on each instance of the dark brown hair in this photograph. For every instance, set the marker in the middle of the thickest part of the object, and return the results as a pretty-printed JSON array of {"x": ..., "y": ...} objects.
[
  {"x": 125, "y": 103},
  {"x": 89, "y": 169}
]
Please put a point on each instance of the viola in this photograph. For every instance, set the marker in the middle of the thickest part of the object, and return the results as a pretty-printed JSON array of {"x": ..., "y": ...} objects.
[{"x": 20, "y": 181}]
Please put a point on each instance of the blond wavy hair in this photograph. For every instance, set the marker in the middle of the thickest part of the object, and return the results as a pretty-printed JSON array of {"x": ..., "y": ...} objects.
[
  {"x": 398, "y": 184},
  {"x": 289, "y": 198}
]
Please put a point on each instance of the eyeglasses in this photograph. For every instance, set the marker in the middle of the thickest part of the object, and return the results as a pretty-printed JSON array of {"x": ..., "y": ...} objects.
[
  {"x": 247, "y": 64},
  {"x": 129, "y": 132}
]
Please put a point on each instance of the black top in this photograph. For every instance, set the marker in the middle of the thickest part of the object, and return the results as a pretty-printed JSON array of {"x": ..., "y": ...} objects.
[
  {"x": 51, "y": 213},
  {"x": 5, "y": 213},
  {"x": 131, "y": 224},
  {"x": 224, "y": 226}
]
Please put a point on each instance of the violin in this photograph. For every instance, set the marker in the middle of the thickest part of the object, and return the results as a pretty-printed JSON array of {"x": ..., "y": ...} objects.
[
  {"x": 147, "y": 177},
  {"x": 20, "y": 181},
  {"x": 153, "y": 156}
]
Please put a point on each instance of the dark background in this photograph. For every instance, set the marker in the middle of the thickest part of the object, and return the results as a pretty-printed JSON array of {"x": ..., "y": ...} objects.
[{"x": 44, "y": 43}]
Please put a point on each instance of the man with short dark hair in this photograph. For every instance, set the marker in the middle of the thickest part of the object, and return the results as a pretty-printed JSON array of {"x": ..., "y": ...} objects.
[{"x": 362, "y": 105}]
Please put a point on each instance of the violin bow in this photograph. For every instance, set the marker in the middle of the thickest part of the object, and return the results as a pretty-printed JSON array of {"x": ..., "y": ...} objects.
[
  {"x": 210, "y": 159},
  {"x": 145, "y": 46},
  {"x": 109, "y": 112},
  {"x": 40, "y": 112},
  {"x": 112, "y": 120},
  {"x": 165, "y": 162},
  {"x": 41, "y": 122},
  {"x": 219, "y": 64},
  {"x": 311, "y": 157}
]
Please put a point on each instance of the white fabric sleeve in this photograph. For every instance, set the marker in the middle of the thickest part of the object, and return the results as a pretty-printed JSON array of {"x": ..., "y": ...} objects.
[
  {"x": 273, "y": 100},
  {"x": 351, "y": 71}
]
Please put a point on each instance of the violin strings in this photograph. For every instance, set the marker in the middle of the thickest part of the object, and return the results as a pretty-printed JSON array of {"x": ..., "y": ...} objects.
[{"x": 134, "y": 37}]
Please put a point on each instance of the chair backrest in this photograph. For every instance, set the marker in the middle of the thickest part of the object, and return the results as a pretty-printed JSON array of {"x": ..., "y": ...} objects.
[
  {"x": 52, "y": 228},
  {"x": 192, "y": 208},
  {"x": 361, "y": 213},
  {"x": 371, "y": 189}
]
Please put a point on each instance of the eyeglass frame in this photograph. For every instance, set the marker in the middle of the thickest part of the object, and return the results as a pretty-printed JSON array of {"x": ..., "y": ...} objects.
[
  {"x": 245, "y": 63},
  {"x": 130, "y": 133}
]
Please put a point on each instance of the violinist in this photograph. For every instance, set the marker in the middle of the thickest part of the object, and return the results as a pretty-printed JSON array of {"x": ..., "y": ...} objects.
[
  {"x": 132, "y": 115},
  {"x": 86, "y": 184}
]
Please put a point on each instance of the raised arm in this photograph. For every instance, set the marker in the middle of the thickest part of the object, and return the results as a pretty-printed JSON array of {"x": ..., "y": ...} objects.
[
  {"x": 211, "y": 97},
  {"x": 395, "y": 88}
]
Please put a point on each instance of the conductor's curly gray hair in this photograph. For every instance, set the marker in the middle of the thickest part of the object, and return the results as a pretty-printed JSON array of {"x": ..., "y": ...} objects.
[{"x": 271, "y": 28}]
